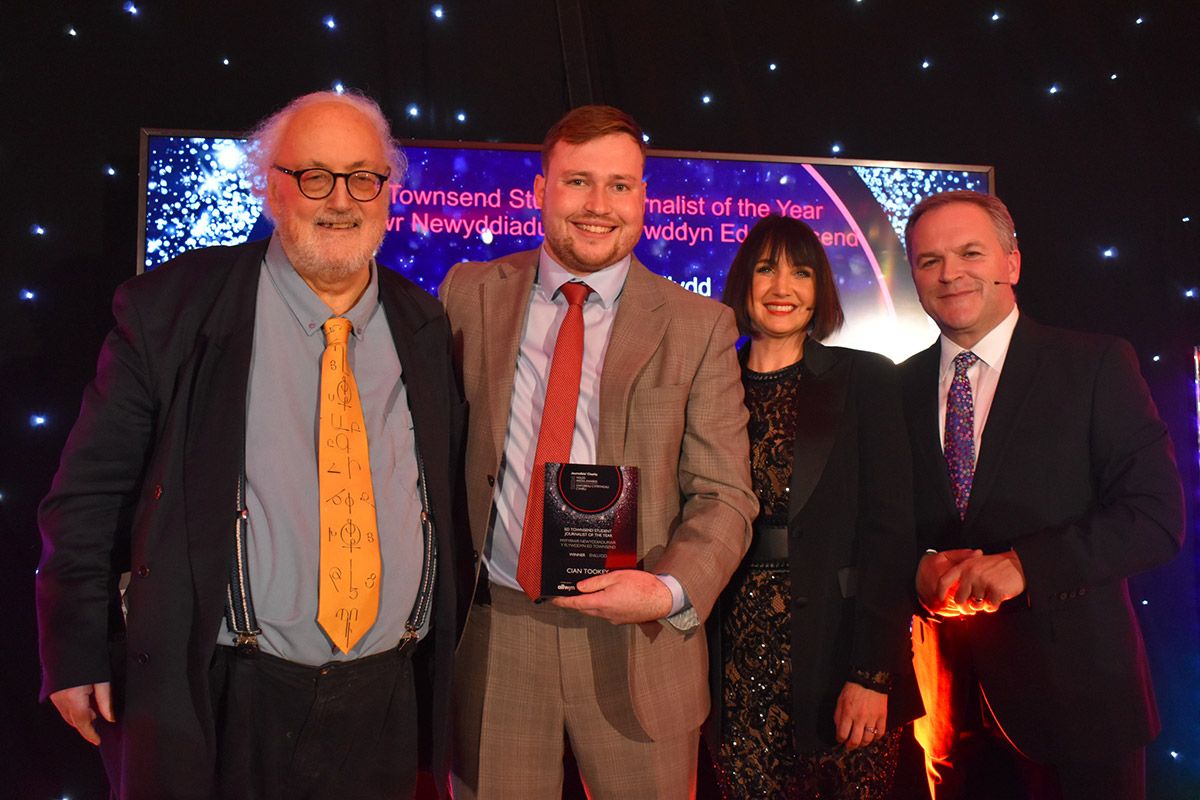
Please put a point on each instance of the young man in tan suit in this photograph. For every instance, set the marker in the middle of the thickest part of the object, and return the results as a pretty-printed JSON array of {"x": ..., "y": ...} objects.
[{"x": 620, "y": 668}]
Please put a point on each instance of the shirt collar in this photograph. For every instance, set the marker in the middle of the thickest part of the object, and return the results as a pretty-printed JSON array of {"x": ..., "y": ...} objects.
[
  {"x": 992, "y": 349},
  {"x": 606, "y": 284},
  {"x": 308, "y": 309}
]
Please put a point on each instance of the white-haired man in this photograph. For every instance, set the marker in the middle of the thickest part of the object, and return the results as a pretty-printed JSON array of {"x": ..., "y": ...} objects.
[{"x": 246, "y": 407}]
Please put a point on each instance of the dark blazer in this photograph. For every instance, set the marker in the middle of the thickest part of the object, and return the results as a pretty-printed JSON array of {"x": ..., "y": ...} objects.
[
  {"x": 1075, "y": 473},
  {"x": 147, "y": 481},
  {"x": 849, "y": 519}
]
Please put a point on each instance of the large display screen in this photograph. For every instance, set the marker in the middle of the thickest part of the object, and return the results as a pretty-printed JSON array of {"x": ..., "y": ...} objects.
[{"x": 466, "y": 201}]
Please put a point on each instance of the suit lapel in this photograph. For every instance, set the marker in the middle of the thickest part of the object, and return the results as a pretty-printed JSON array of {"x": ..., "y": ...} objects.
[
  {"x": 1016, "y": 381},
  {"x": 501, "y": 325},
  {"x": 418, "y": 349},
  {"x": 639, "y": 327},
  {"x": 923, "y": 400},
  {"x": 823, "y": 399},
  {"x": 217, "y": 376}
]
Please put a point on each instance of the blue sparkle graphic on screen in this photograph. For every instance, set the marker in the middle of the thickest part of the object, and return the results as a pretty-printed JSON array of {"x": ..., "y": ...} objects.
[
  {"x": 197, "y": 195},
  {"x": 459, "y": 203},
  {"x": 898, "y": 190}
]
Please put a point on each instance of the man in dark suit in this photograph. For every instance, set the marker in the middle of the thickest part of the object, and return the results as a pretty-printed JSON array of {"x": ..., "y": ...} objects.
[
  {"x": 620, "y": 669},
  {"x": 1044, "y": 478},
  {"x": 194, "y": 466}
]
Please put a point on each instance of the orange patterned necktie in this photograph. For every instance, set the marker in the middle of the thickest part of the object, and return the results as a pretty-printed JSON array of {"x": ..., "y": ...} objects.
[
  {"x": 348, "y": 594},
  {"x": 556, "y": 432}
]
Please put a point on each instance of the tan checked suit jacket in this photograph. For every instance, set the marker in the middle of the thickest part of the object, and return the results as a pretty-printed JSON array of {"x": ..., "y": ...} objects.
[{"x": 670, "y": 404}]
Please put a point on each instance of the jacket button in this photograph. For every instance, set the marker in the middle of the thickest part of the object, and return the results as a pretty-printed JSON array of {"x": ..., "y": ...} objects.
[
  {"x": 142, "y": 658},
  {"x": 143, "y": 571},
  {"x": 1083, "y": 591},
  {"x": 491, "y": 480},
  {"x": 1062, "y": 595},
  {"x": 157, "y": 491},
  {"x": 475, "y": 555}
]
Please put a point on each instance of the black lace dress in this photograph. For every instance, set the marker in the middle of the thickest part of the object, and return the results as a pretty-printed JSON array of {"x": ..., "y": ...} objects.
[{"x": 757, "y": 756}]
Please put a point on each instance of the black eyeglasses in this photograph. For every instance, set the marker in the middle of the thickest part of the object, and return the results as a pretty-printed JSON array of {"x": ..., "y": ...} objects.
[{"x": 316, "y": 183}]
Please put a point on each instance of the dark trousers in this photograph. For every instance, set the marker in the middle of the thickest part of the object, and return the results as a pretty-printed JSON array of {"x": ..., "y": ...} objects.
[
  {"x": 1121, "y": 777},
  {"x": 288, "y": 731},
  {"x": 967, "y": 755}
]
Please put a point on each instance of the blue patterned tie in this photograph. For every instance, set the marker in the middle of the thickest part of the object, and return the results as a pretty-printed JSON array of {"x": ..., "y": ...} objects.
[{"x": 960, "y": 431}]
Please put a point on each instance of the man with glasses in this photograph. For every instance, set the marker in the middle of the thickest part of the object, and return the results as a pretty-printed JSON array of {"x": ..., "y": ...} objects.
[{"x": 267, "y": 448}]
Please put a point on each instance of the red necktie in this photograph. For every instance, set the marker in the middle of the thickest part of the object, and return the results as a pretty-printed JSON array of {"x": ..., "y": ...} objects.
[{"x": 554, "y": 436}]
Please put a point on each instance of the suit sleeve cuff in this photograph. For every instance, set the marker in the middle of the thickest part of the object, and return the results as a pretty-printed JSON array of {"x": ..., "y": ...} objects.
[
  {"x": 679, "y": 600},
  {"x": 682, "y": 617}
]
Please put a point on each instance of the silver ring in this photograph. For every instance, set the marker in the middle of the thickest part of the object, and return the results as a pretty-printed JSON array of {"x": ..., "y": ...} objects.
[
  {"x": 976, "y": 599},
  {"x": 871, "y": 730}
]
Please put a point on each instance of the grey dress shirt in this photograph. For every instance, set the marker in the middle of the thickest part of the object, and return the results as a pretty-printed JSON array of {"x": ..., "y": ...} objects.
[{"x": 281, "y": 465}]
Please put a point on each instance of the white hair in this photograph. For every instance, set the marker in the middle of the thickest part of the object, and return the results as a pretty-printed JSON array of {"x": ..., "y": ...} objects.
[{"x": 264, "y": 139}]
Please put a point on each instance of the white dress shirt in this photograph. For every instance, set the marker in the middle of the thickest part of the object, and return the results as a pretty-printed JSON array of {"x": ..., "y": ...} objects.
[
  {"x": 547, "y": 307},
  {"x": 983, "y": 375}
]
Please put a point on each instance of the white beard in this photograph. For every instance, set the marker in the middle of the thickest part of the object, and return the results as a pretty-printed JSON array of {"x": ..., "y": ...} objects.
[{"x": 330, "y": 261}]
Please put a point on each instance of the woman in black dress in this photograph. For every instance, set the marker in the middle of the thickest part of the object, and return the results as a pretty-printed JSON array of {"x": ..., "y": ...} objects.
[{"x": 815, "y": 677}]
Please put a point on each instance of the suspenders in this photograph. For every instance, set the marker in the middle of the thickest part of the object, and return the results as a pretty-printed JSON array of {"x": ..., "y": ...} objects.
[
  {"x": 239, "y": 605},
  {"x": 239, "y": 608}
]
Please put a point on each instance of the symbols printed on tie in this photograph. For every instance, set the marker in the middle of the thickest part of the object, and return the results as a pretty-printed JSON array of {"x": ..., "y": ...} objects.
[{"x": 347, "y": 604}]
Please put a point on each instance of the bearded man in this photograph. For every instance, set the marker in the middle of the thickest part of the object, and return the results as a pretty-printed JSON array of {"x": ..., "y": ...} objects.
[{"x": 267, "y": 449}]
